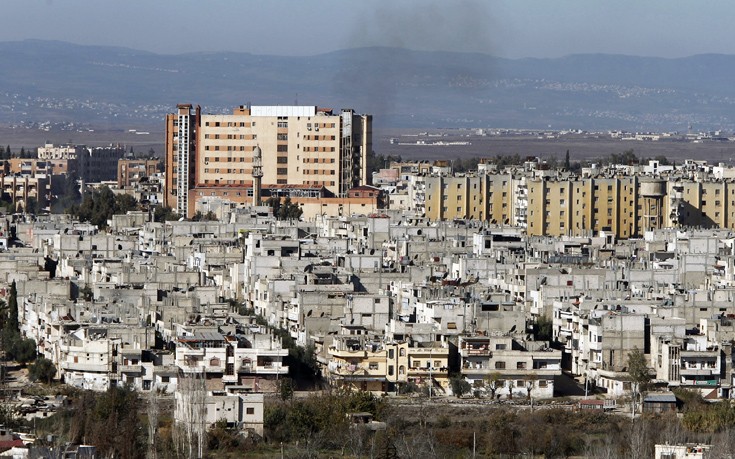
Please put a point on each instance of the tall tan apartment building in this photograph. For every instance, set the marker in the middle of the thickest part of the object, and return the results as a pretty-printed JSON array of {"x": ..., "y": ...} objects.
[
  {"x": 626, "y": 206},
  {"x": 478, "y": 197},
  {"x": 212, "y": 155}
]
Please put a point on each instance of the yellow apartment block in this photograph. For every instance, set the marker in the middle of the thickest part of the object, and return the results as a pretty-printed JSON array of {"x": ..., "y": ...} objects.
[{"x": 624, "y": 206}]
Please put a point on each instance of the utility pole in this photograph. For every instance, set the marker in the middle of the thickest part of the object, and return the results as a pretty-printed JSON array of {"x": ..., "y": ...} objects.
[{"x": 431, "y": 379}]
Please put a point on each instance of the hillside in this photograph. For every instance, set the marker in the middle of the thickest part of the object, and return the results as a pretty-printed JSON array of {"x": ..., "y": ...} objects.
[{"x": 62, "y": 83}]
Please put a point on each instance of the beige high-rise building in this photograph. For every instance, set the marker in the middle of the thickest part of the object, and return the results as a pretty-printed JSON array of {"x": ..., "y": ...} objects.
[
  {"x": 301, "y": 145},
  {"x": 581, "y": 207},
  {"x": 477, "y": 197}
]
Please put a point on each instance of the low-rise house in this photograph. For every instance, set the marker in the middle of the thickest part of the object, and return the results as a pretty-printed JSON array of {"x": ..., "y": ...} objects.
[
  {"x": 507, "y": 366},
  {"x": 247, "y": 356}
]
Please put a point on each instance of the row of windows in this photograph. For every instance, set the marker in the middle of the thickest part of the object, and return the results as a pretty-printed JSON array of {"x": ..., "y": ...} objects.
[
  {"x": 318, "y": 160},
  {"x": 322, "y": 149},
  {"x": 320, "y": 137},
  {"x": 216, "y": 159},
  {"x": 228, "y": 171},
  {"x": 318, "y": 183},
  {"x": 229, "y": 148},
  {"x": 319, "y": 171},
  {"x": 231, "y": 136},
  {"x": 229, "y": 124}
]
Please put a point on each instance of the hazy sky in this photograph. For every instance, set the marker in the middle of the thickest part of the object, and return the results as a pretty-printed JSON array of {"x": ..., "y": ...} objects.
[{"x": 511, "y": 28}]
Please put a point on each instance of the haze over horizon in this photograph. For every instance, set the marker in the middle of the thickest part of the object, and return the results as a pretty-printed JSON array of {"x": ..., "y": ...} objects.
[{"x": 502, "y": 28}]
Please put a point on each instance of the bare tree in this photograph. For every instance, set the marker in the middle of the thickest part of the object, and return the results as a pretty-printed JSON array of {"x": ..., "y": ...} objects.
[
  {"x": 723, "y": 445},
  {"x": 602, "y": 449},
  {"x": 191, "y": 397},
  {"x": 153, "y": 410},
  {"x": 639, "y": 439}
]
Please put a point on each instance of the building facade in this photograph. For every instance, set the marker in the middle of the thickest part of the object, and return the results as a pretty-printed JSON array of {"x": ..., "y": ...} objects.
[{"x": 301, "y": 145}]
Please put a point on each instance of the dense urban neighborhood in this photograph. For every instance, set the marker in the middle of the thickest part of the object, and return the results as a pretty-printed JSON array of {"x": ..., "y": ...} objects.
[{"x": 265, "y": 288}]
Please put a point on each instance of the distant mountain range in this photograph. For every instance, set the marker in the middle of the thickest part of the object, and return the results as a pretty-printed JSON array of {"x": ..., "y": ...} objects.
[{"x": 60, "y": 83}]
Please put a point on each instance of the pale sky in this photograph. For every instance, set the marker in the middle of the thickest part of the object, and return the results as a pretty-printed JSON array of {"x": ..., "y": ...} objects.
[{"x": 504, "y": 28}]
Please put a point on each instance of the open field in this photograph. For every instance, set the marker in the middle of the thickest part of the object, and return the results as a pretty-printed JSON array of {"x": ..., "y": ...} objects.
[
  {"x": 33, "y": 138},
  {"x": 581, "y": 147}
]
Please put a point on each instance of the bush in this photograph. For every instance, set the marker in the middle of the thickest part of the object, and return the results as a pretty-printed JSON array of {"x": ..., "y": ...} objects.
[
  {"x": 42, "y": 370},
  {"x": 460, "y": 386}
]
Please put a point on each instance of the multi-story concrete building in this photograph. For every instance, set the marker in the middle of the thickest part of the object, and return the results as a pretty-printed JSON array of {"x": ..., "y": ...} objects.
[
  {"x": 212, "y": 155},
  {"x": 505, "y": 365},
  {"x": 131, "y": 171},
  {"x": 615, "y": 201}
]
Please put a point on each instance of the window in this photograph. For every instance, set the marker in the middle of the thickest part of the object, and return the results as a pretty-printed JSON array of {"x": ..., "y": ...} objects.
[
  {"x": 500, "y": 365},
  {"x": 249, "y": 410},
  {"x": 521, "y": 365}
]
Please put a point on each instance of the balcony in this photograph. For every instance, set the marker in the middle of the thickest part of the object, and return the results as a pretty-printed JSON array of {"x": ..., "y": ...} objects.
[
  {"x": 130, "y": 368},
  {"x": 271, "y": 370},
  {"x": 477, "y": 352},
  {"x": 699, "y": 371},
  {"x": 85, "y": 367},
  {"x": 230, "y": 378}
]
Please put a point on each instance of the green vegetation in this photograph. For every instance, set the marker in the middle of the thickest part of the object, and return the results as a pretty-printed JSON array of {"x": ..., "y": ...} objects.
[
  {"x": 638, "y": 370},
  {"x": 303, "y": 367},
  {"x": 318, "y": 418},
  {"x": 100, "y": 205},
  {"x": 164, "y": 214},
  {"x": 543, "y": 329},
  {"x": 22, "y": 350},
  {"x": 285, "y": 210},
  {"x": 377, "y": 162},
  {"x": 42, "y": 370},
  {"x": 208, "y": 217},
  {"x": 71, "y": 195},
  {"x": 109, "y": 420},
  {"x": 459, "y": 386}
]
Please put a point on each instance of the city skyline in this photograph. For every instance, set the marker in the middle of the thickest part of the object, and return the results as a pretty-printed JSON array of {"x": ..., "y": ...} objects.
[{"x": 501, "y": 28}]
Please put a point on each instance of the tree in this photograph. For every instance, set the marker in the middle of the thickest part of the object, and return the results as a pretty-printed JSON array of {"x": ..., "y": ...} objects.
[
  {"x": 13, "y": 323},
  {"x": 285, "y": 387},
  {"x": 638, "y": 373},
  {"x": 459, "y": 386},
  {"x": 164, "y": 214},
  {"x": 285, "y": 210},
  {"x": 530, "y": 384},
  {"x": 567, "y": 163},
  {"x": 22, "y": 350},
  {"x": 42, "y": 370},
  {"x": 543, "y": 329},
  {"x": 99, "y": 206},
  {"x": 492, "y": 382}
]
